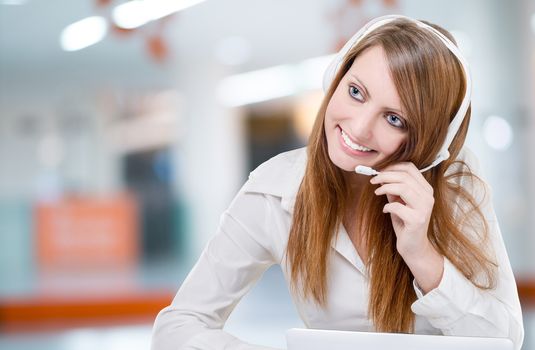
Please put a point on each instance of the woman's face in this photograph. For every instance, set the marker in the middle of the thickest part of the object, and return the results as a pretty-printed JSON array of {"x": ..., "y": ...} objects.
[{"x": 364, "y": 121}]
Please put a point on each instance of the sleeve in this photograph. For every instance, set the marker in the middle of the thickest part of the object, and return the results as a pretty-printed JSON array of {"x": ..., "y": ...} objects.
[
  {"x": 458, "y": 307},
  {"x": 231, "y": 263}
]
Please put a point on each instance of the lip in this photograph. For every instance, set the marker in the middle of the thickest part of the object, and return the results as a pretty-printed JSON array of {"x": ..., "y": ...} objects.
[{"x": 350, "y": 150}]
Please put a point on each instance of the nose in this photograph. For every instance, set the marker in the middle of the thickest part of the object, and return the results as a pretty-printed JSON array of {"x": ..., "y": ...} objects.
[{"x": 362, "y": 123}]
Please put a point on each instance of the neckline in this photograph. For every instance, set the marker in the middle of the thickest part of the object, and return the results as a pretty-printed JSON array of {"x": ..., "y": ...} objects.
[{"x": 344, "y": 246}]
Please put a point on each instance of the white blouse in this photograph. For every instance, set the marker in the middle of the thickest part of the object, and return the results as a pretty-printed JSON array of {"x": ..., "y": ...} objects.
[{"x": 252, "y": 236}]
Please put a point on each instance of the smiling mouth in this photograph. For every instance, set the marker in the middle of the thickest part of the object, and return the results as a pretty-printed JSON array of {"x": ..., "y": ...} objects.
[{"x": 353, "y": 145}]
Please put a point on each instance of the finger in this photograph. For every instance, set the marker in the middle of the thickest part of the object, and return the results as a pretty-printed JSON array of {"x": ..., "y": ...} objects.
[
  {"x": 411, "y": 170},
  {"x": 412, "y": 199},
  {"x": 423, "y": 189},
  {"x": 391, "y": 177},
  {"x": 403, "y": 191},
  {"x": 392, "y": 198},
  {"x": 399, "y": 177},
  {"x": 407, "y": 167},
  {"x": 402, "y": 211}
]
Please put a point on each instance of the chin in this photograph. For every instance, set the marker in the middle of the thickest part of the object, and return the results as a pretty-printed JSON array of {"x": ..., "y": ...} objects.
[{"x": 341, "y": 161}]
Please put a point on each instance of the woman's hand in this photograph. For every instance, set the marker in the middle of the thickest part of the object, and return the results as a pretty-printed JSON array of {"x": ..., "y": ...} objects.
[{"x": 410, "y": 204}]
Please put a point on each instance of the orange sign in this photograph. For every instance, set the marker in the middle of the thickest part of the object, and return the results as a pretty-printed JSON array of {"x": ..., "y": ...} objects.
[{"x": 87, "y": 233}]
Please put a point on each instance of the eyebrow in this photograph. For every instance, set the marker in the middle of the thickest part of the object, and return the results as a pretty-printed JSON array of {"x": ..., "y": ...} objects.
[{"x": 368, "y": 94}]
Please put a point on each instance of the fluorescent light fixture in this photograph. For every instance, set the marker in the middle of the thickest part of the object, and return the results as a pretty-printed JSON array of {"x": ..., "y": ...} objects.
[
  {"x": 84, "y": 33},
  {"x": 13, "y": 2},
  {"x": 257, "y": 86},
  {"x": 136, "y": 13},
  {"x": 498, "y": 132},
  {"x": 274, "y": 82},
  {"x": 311, "y": 71}
]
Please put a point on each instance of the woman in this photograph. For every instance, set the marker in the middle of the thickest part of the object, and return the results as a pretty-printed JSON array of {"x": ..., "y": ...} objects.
[{"x": 403, "y": 251}]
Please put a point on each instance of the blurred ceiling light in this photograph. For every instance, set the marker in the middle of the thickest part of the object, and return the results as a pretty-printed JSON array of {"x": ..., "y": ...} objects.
[
  {"x": 83, "y": 33},
  {"x": 13, "y": 2},
  {"x": 233, "y": 51},
  {"x": 311, "y": 71},
  {"x": 257, "y": 86},
  {"x": 533, "y": 23},
  {"x": 274, "y": 82},
  {"x": 497, "y": 132},
  {"x": 136, "y": 13}
]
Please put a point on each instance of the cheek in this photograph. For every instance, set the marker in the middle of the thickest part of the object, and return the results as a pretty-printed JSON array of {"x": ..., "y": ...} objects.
[
  {"x": 336, "y": 109},
  {"x": 330, "y": 113},
  {"x": 390, "y": 144}
]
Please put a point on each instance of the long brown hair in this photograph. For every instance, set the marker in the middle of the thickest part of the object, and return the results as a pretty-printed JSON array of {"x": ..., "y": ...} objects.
[{"x": 431, "y": 85}]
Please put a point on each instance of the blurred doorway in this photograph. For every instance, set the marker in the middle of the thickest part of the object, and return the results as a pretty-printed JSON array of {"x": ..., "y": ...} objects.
[{"x": 148, "y": 175}]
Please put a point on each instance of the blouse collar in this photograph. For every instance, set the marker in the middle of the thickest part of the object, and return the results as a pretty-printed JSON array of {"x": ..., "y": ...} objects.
[{"x": 280, "y": 176}]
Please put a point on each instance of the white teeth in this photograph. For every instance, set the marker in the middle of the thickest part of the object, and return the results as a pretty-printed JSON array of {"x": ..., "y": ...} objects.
[{"x": 354, "y": 145}]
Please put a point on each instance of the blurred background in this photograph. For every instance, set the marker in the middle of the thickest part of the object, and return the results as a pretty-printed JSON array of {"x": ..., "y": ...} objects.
[{"x": 126, "y": 128}]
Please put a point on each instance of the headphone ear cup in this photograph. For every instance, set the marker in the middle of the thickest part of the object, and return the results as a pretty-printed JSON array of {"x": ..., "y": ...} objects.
[{"x": 330, "y": 72}]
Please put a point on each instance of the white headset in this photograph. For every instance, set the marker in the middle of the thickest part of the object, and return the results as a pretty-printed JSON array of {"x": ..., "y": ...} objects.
[{"x": 334, "y": 66}]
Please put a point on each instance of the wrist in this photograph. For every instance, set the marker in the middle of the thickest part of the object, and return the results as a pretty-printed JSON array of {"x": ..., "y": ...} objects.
[{"x": 426, "y": 267}]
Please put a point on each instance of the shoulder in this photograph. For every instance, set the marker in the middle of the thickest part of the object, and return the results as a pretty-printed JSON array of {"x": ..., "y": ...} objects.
[
  {"x": 466, "y": 160},
  {"x": 466, "y": 172},
  {"x": 279, "y": 176}
]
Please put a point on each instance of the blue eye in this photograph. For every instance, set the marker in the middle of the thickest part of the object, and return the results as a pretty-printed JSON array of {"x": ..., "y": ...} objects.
[
  {"x": 355, "y": 93},
  {"x": 394, "y": 120}
]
